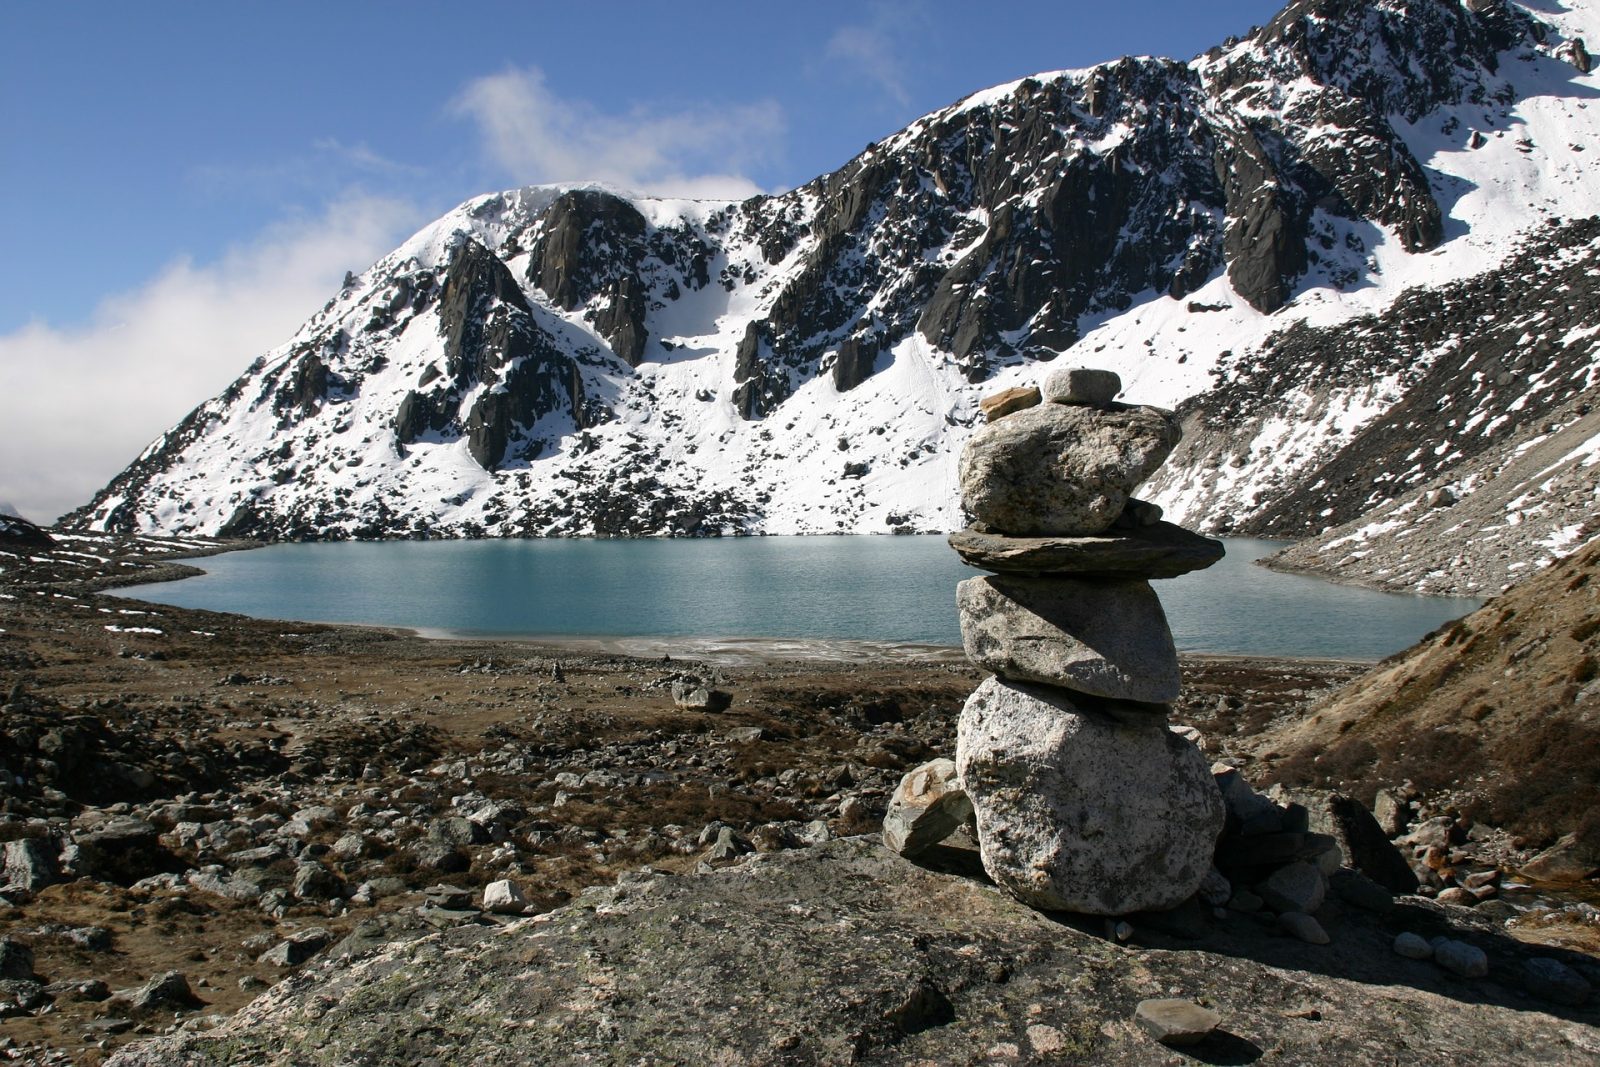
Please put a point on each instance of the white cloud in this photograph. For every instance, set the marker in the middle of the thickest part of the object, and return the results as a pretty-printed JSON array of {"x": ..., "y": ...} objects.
[
  {"x": 537, "y": 136},
  {"x": 870, "y": 50},
  {"x": 78, "y": 404}
]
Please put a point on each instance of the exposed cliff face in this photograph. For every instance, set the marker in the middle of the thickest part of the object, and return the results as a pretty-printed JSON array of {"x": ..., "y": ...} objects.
[{"x": 571, "y": 360}]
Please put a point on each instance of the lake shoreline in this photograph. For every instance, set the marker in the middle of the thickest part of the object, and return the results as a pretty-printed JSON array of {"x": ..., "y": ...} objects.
[{"x": 850, "y": 599}]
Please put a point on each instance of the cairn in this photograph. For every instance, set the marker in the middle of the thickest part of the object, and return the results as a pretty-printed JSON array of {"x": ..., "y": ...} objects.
[{"x": 1084, "y": 800}]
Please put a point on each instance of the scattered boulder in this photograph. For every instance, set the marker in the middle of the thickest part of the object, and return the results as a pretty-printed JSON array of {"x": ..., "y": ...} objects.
[
  {"x": 165, "y": 992},
  {"x": 1568, "y": 860},
  {"x": 1412, "y": 946},
  {"x": 297, "y": 948},
  {"x": 16, "y": 960},
  {"x": 1363, "y": 845},
  {"x": 692, "y": 693},
  {"x": 29, "y": 865},
  {"x": 504, "y": 897},
  {"x": 1298, "y": 887}
]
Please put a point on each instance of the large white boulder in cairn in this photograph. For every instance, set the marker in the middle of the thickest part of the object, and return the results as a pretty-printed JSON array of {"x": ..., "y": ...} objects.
[{"x": 1077, "y": 811}]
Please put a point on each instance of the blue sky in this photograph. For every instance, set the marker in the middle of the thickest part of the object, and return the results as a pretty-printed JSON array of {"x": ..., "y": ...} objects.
[{"x": 184, "y": 183}]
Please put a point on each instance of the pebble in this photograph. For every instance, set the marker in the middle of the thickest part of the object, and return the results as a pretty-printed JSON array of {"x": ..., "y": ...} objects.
[
  {"x": 1460, "y": 958},
  {"x": 1413, "y": 946}
]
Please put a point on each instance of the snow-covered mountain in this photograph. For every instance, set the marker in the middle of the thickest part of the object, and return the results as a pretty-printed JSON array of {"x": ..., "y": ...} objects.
[{"x": 1304, "y": 238}]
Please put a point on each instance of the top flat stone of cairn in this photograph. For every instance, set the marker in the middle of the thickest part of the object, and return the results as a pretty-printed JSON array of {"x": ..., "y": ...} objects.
[
  {"x": 1082, "y": 385},
  {"x": 1009, "y": 402},
  {"x": 1061, "y": 469},
  {"x": 1159, "y": 551}
]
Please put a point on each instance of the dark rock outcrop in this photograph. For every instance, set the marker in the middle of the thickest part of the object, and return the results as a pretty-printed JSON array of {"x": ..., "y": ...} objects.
[{"x": 856, "y": 956}]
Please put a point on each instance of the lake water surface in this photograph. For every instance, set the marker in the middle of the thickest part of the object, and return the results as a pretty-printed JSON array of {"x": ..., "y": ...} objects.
[{"x": 662, "y": 595}]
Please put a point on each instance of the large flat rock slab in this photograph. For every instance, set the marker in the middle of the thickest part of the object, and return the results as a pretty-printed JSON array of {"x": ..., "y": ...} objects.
[
  {"x": 1080, "y": 812},
  {"x": 1158, "y": 551},
  {"x": 846, "y": 953},
  {"x": 1106, "y": 638}
]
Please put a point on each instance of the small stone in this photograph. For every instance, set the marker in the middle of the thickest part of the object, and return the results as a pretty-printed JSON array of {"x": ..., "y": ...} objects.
[
  {"x": 928, "y": 806},
  {"x": 1390, "y": 812},
  {"x": 504, "y": 897},
  {"x": 1456, "y": 895},
  {"x": 1299, "y": 924},
  {"x": 165, "y": 991},
  {"x": 1297, "y": 887},
  {"x": 1458, "y": 957},
  {"x": 296, "y": 949},
  {"x": 1177, "y": 1023},
  {"x": 1082, "y": 385},
  {"x": 313, "y": 881},
  {"x": 1245, "y": 901},
  {"x": 1061, "y": 470},
  {"x": 1215, "y": 889},
  {"x": 1104, "y": 638},
  {"x": 1554, "y": 981},
  {"x": 1009, "y": 401},
  {"x": 1413, "y": 946}
]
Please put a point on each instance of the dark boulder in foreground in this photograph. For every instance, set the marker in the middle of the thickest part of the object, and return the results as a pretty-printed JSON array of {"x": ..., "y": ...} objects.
[{"x": 846, "y": 953}]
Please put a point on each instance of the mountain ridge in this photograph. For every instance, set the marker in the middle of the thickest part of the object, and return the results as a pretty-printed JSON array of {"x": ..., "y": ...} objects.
[{"x": 567, "y": 360}]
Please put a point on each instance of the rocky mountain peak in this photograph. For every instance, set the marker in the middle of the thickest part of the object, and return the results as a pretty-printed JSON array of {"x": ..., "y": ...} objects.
[{"x": 811, "y": 361}]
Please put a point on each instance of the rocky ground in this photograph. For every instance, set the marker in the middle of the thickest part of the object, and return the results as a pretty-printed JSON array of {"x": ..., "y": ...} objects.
[{"x": 234, "y": 800}]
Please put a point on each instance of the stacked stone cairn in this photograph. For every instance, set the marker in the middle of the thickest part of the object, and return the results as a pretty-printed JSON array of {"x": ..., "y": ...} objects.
[{"x": 1083, "y": 799}]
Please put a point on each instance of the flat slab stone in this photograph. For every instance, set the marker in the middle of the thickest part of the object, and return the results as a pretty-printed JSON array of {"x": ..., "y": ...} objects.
[
  {"x": 1079, "y": 812},
  {"x": 1061, "y": 469},
  {"x": 1104, "y": 638},
  {"x": 1176, "y": 1022},
  {"x": 1159, "y": 551},
  {"x": 1009, "y": 402}
]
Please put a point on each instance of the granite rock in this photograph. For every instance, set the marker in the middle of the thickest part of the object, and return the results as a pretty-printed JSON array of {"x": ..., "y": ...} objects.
[
  {"x": 1079, "y": 812},
  {"x": 1060, "y": 469},
  {"x": 1082, "y": 385},
  {"x": 1161, "y": 550},
  {"x": 1104, "y": 638}
]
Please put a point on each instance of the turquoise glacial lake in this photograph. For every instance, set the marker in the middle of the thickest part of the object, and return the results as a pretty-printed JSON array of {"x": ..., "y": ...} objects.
[{"x": 765, "y": 595}]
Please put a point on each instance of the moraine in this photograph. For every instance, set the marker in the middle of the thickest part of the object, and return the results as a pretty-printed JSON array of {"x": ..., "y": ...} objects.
[{"x": 774, "y": 595}]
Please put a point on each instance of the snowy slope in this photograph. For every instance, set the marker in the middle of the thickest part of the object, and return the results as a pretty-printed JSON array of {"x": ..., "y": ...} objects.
[{"x": 556, "y": 361}]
